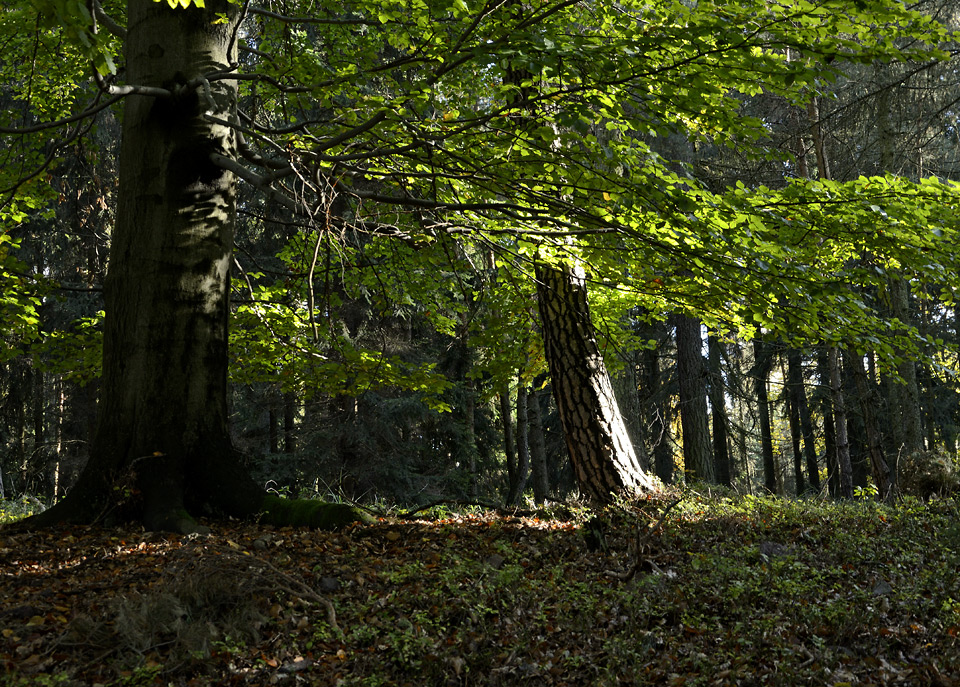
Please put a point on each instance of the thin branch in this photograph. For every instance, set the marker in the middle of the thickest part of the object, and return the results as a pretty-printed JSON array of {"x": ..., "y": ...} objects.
[
  {"x": 263, "y": 12},
  {"x": 260, "y": 182},
  {"x": 89, "y": 112},
  {"x": 107, "y": 21}
]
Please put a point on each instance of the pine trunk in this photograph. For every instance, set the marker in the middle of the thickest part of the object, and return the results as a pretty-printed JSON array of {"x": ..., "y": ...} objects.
[{"x": 596, "y": 436}]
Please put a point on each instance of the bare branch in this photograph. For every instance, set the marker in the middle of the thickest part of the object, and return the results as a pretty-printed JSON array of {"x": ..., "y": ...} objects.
[
  {"x": 263, "y": 12},
  {"x": 107, "y": 21},
  {"x": 89, "y": 112},
  {"x": 260, "y": 182}
]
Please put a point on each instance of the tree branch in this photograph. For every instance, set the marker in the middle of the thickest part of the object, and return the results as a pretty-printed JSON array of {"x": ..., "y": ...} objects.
[
  {"x": 107, "y": 21},
  {"x": 263, "y": 12},
  {"x": 89, "y": 112}
]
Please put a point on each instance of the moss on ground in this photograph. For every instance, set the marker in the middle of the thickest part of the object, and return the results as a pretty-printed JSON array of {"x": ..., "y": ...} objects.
[{"x": 309, "y": 513}]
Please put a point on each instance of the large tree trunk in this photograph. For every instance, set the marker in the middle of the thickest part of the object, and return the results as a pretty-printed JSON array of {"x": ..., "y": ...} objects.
[
  {"x": 596, "y": 436},
  {"x": 162, "y": 443}
]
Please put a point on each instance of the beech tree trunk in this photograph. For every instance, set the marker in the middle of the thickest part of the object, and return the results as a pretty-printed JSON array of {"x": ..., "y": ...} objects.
[
  {"x": 596, "y": 436},
  {"x": 656, "y": 410},
  {"x": 794, "y": 393},
  {"x": 829, "y": 422},
  {"x": 162, "y": 446},
  {"x": 509, "y": 444}
]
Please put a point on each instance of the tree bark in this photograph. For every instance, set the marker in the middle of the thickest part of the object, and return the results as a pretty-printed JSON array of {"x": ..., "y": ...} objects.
[
  {"x": 763, "y": 361},
  {"x": 694, "y": 422},
  {"x": 795, "y": 382},
  {"x": 509, "y": 443},
  {"x": 718, "y": 404},
  {"x": 881, "y": 472},
  {"x": 596, "y": 436},
  {"x": 162, "y": 446},
  {"x": 539, "y": 474},
  {"x": 799, "y": 396},
  {"x": 829, "y": 422},
  {"x": 844, "y": 467},
  {"x": 519, "y": 482},
  {"x": 908, "y": 409},
  {"x": 656, "y": 409}
]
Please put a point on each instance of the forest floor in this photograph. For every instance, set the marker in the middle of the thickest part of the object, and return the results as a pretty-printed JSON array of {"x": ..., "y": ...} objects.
[{"x": 717, "y": 591}]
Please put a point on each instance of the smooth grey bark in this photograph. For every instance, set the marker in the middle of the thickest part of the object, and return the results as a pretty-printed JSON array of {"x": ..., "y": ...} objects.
[
  {"x": 470, "y": 423},
  {"x": 796, "y": 433},
  {"x": 694, "y": 421},
  {"x": 597, "y": 441},
  {"x": 509, "y": 443},
  {"x": 908, "y": 410},
  {"x": 162, "y": 436},
  {"x": 626, "y": 388},
  {"x": 289, "y": 423}
]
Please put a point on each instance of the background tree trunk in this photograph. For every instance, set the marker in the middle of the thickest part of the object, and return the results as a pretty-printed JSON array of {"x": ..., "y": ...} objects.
[
  {"x": 795, "y": 382},
  {"x": 519, "y": 481},
  {"x": 844, "y": 467},
  {"x": 718, "y": 405},
  {"x": 538, "y": 453},
  {"x": 594, "y": 431},
  {"x": 655, "y": 407},
  {"x": 799, "y": 395},
  {"x": 829, "y": 421},
  {"x": 881, "y": 472},
  {"x": 697, "y": 454},
  {"x": 763, "y": 361},
  {"x": 509, "y": 442}
]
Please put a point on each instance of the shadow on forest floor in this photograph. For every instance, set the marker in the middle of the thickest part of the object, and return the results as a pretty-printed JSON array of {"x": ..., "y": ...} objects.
[{"x": 723, "y": 592}]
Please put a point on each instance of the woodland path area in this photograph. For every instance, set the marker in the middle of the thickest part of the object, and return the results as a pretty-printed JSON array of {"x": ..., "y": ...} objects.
[{"x": 717, "y": 592}]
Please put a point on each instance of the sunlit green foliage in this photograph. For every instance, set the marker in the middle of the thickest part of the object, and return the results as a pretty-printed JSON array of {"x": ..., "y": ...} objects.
[{"x": 434, "y": 149}]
